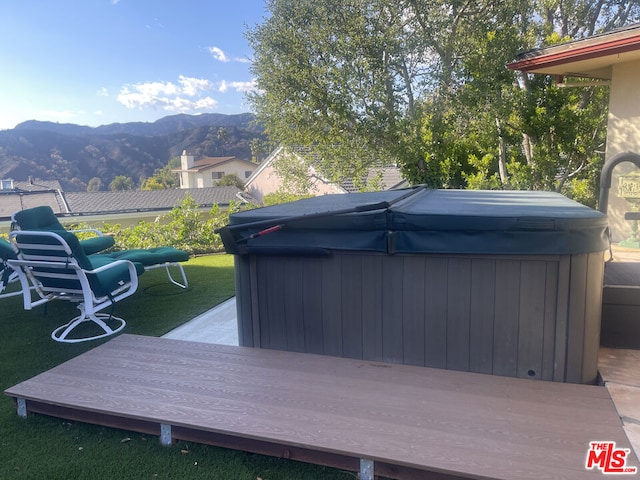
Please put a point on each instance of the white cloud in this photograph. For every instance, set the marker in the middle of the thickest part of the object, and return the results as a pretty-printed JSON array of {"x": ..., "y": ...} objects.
[
  {"x": 184, "y": 97},
  {"x": 243, "y": 60},
  {"x": 103, "y": 92},
  {"x": 191, "y": 86},
  {"x": 244, "y": 87},
  {"x": 218, "y": 54}
]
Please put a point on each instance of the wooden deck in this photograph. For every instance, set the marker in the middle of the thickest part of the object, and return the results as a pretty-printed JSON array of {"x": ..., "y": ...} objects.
[
  {"x": 412, "y": 422},
  {"x": 620, "y": 371}
]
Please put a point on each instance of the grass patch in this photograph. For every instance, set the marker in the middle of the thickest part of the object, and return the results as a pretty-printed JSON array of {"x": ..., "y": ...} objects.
[{"x": 49, "y": 448}]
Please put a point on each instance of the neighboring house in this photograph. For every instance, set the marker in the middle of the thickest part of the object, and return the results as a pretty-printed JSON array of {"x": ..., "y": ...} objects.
[
  {"x": 265, "y": 179},
  {"x": 611, "y": 58},
  {"x": 206, "y": 172},
  {"x": 19, "y": 195}
]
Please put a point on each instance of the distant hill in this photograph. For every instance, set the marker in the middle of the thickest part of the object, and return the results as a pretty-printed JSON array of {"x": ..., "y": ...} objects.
[{"x": 73, "y": 154}]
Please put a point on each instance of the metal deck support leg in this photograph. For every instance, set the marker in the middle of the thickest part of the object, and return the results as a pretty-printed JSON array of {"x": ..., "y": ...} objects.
[
  {"x": 366, "y": 469},
  {"x": 22, "y": 407},
  {"x": 165, "y": 435}
]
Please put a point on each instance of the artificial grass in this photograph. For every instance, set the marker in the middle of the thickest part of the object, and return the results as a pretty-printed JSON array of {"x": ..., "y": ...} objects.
[{"x": 42, "y": 447}]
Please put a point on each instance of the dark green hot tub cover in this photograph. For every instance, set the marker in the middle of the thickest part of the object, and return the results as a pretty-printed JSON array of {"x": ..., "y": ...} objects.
[{"x": 419, "y": 221}]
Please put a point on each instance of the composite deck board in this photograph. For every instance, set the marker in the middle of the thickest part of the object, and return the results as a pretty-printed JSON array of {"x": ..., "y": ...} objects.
[{"x": 462, "y": 424}]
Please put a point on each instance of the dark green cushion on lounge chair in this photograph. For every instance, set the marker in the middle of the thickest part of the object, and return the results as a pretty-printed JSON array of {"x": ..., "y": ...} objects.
[
  {"x": 6, "y": 252},
  {"x": 101, "y": 283},
  {"x": 43, "y": 218},
  {"x": 111, "y": 278},
  {"x": 97, "y": 244},
  {"x": 152, "y": 256},
  {"x": 37, "y": 218}
]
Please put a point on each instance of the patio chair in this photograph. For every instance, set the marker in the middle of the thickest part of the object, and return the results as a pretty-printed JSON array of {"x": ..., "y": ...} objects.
[
  {"x": 56, "y": 266},
  {"x": 42, "y": 218}
]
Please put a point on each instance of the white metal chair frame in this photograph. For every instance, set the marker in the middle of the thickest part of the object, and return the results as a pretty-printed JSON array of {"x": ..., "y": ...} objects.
[{"x": 67, "y": 268}]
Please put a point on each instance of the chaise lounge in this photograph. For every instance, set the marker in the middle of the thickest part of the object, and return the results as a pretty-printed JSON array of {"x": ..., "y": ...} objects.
[
  {"x": 43, "y": 218},
  {"x": 56, "y": 266}
]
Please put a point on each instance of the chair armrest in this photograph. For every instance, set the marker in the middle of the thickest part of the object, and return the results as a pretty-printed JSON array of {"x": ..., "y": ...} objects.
[
  {"x": 122, "y": 292},
  {"x": 98, "y": 233}
]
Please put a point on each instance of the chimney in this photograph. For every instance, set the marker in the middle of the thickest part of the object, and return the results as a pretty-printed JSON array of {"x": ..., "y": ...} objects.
[{"x": 186, "y": 161}]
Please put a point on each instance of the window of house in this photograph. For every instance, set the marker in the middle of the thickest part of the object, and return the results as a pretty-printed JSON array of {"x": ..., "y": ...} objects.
[
  {"x": 217, "y": 175},
  {"x": 6, "y": 184}
]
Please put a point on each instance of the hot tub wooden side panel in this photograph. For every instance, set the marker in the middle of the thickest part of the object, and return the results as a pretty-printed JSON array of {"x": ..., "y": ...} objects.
[{"x": 527, "y": 316}]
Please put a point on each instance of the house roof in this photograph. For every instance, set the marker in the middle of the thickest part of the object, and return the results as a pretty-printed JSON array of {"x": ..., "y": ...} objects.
[
  {"x": 36, "y": 185},
  {"x": 390, "y": 178},
  {"x": 147, "y": 200},
  {"x": 591, "y": 57},
  {"x": 208, "y": 163},
  {"x": 32, "y": 193},
  {"x": 13, "y": 200},
  {"x": 102, "y": 203}
]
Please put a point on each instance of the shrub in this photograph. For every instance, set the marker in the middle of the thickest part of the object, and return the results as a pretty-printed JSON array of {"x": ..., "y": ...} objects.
[{"x": 185, "y": 227}]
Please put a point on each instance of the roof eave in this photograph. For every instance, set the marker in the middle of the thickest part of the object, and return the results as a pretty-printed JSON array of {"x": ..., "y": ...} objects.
[{"x": 547, "y": 58}]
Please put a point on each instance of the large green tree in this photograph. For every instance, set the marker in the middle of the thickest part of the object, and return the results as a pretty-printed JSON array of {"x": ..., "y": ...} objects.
[
  {"x": 121, "y": 183},
  {"x": 424, "y": 85}
]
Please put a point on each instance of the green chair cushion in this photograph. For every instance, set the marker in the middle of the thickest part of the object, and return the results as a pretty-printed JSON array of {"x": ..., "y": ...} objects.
[
  {"x": 97, "y": 244},
  {"x": 43, "y": 218},
  {"x": 152, "y": 256},
  {"x": 102, "y": 283},
  {"x": 37, "y": 218},
  {"x": 108, "y": 280},
  {"x": 6, "y": 252}
]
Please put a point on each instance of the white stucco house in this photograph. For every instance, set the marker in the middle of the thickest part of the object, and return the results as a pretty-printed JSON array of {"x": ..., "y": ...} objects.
[{"x": 206, "y": 172}]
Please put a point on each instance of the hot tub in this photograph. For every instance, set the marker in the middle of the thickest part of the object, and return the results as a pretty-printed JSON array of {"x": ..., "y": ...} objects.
[{"x": 497, "y": 282}]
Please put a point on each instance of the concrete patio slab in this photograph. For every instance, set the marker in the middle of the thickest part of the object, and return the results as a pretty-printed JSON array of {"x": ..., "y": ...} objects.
[{"x": 218, "y": 325}]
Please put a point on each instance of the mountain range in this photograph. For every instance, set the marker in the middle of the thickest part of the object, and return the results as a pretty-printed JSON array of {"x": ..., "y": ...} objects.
[{"x": 74, "y": 154}]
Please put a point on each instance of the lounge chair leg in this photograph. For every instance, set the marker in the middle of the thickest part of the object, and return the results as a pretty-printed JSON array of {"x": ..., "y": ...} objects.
[
  {"x": 166, "y": 266},
  {"x": 184, "y": 283},
  {"x": 61, "y": 333}
]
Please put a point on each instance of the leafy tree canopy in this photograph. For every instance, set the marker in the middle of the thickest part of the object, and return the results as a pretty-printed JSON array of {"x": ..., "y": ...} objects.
[
  {"x": 230, "y": 180},
  {"x": 121, "y": 183},
  {"x": 424, "y": 85},
  {"x": 162, "y": 178}
]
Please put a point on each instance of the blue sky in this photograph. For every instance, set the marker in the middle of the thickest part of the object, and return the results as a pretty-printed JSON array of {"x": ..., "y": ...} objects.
[{"x": 95, "y": 62}]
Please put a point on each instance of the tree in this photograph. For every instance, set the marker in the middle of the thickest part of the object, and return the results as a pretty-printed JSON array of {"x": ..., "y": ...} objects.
[
  {"x": 424, "y": 84},
  {"x": 357, "y": 79},
  {"x": 222, "y": 136},
  {"x": 260, "y": 149},
  {"x": 230, "y": 180},
  {"x": 94, "y": 185},
  {"x": 121, "y": 183},
  {"x": 336, "y": 73},
  {"x": 163, "y": 178}
]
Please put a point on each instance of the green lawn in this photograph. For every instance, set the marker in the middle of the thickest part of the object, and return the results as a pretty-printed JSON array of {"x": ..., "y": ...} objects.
[{"x": 48, "y": 448}]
